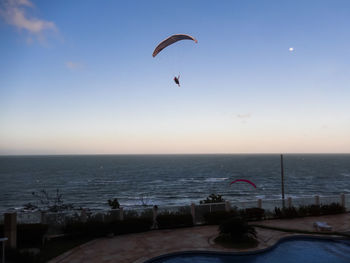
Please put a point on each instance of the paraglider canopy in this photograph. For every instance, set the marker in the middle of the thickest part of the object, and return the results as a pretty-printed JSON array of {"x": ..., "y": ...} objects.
[
  {"x": 244, "y": 180},
  {"x": 171, "y": 40}
]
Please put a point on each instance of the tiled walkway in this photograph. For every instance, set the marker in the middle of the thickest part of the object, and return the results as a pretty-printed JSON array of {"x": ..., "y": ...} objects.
[{"x": 136, "y": 248}]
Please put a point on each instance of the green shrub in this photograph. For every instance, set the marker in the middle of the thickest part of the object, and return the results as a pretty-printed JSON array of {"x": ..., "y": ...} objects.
[
  {"x": 237, "y": 229},
  {"x": 333, "y": 208},
  {"x": 303, "y": 211},
  {"x": 217, "y": 217},
  {"x": 213, "y": 198},
  {"x": 148, "y": 213},
  {"x": 95, "y": 229},
  {"x": 173, "y": 220},
  {"x": 287, "y": 212},
  {"x": 290, "y": 212},
  {"x": 131, "y": 225},
  {"x": 114, "y": 204},
  {"x": 91, "y": 228},
  {"x": 253, "y": 214},
  {"x": 30, "y": 234},
  {"x": 130, "y": 214},
  {"x": 314, "y": 210},
  {"x": 15, "y": 255},
  {"x": 309, "y": 210}
]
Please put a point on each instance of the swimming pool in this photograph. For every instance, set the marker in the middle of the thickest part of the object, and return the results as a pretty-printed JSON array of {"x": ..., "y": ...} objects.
[{"x": 296, "y": 250}]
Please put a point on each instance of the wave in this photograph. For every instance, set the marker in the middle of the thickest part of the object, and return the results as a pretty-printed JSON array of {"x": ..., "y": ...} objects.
[{"x": 215, "y": 179}]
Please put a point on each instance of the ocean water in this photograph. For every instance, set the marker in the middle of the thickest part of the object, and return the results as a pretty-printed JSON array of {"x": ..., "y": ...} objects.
[{"x": 89, "y": 181}]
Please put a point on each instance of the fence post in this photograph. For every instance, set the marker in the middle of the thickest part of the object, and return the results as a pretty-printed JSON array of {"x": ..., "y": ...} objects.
[
  {"x": 121, "y": 213},
  {"x": 317, "y": 200},
  {"x": 342, "y": 200},
  {"x": 227, "y": 206},
  {"x": 43, "y": 217},
  {"x": 193, "y": 213},
  {"x": 259, "y": 203},
  {"x": 155, "y": 214},
  {"x": 83, "y": 215},
  {"x": 10, "y": 229},
  {"x": 289, "y": 201}
]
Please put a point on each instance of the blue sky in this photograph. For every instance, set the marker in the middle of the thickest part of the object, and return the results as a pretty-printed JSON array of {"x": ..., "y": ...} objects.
[{"x": 78, "y": 77}]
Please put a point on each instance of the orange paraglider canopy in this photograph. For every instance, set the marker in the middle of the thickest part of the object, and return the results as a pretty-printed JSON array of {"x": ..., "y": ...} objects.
[{"x": 244, "y": 180}]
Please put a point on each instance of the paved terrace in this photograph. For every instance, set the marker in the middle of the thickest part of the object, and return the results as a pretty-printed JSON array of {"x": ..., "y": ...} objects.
[{"x": 137, "y": 248}]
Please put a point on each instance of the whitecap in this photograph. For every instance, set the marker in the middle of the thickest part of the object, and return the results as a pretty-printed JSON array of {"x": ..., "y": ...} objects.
[
  {"x": 186, "y": 180},
  {"x": 215, "y": 179},
  {"x": 260, "y": 196},
  {"x": 156, "y": 181}
]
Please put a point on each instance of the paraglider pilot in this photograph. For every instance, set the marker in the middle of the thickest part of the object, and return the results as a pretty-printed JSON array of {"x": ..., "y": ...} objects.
[{"x": 177, "y": 81}]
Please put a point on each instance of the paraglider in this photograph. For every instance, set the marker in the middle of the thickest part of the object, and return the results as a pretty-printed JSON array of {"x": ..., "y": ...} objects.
[
  {"x": 177, "y": 80},
  {"x": 243, "y": 180},
  {"x": 169, "y": 41}
]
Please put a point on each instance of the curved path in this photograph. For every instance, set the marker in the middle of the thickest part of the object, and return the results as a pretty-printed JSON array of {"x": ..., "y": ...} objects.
[{"x": 137, "y": 248}]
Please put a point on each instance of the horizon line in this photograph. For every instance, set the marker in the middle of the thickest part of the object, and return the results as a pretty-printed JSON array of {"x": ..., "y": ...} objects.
[{"x": 134, "y": 154}]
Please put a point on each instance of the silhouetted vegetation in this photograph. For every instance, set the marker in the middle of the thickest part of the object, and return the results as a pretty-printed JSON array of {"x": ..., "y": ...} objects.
[
  {"x": 47, "y": 202},
  {"x": 249, "y": 214},
  {"x": 308, "y": 210},
  {"x": 217, "y": 217},
  {"x": 236, "y": 232},
  {"x": 174, "y": 219},
  {"x": 252, "y": 214},
  {"x": 114, "y": 204},
  {"x": 213, "y": 198}
]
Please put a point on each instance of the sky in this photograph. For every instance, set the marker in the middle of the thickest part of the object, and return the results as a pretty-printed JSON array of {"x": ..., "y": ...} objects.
[{"x": 78, "y": 77}]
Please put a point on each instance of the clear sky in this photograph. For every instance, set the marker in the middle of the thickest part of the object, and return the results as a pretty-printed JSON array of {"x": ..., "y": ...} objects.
[{"x": 78, "y": 77}]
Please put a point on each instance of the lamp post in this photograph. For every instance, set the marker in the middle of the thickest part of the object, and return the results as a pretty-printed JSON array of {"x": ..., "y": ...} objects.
[{"x": 282, "y": 177}]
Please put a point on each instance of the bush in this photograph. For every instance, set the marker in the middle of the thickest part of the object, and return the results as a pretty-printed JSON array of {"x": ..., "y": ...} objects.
[
  {"x": 314, "y": 210},
  {"x": 287, "y": 212},
  {"x": 309, "y": 210},
  {"x": 95, "y": 229},
  {"x": 48, "y": 202},
  {"x": 303, "y": 211},
  {"x": 131, "y": 225},
  {"x": 213, "y": 198},
  {"x": 333, "y": 208},
  {"x": 217, "y": 217},
  {"x": 237, "y": 229},
  {"x": 91, "y": 228},
  {"x": 15, "y": 255},
  {"x": 253, "y": 214},
  {"x": 173, "y": 220},
  {"x": 114, "y": 204},
  {"x": 147, "y": 213},
  {"x": 30, "y": 234}
]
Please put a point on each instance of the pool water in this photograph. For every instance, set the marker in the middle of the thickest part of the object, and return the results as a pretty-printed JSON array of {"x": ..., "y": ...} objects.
[{"x": 288, "y": 251}]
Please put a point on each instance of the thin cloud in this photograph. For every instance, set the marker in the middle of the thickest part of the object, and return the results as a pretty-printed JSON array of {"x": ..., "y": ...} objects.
[
  {"x": 73, "y": 65},
  {"x": 244, "y": 116},
  {"x": 15, "y": 13}
]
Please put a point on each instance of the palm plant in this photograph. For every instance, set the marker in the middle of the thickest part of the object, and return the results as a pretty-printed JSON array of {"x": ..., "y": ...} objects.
[{"x": 237, "y": 229}]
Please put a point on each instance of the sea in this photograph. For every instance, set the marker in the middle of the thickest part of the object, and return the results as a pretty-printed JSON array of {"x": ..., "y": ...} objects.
[{"x": 89, "y": 181}]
